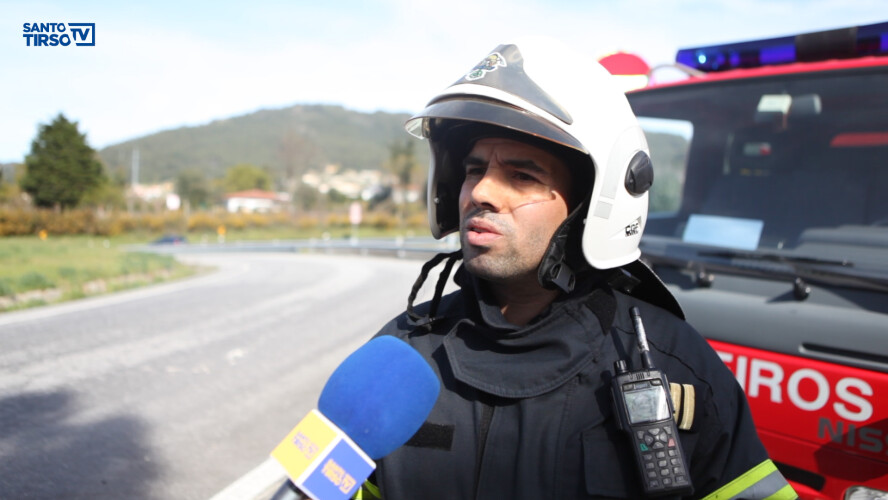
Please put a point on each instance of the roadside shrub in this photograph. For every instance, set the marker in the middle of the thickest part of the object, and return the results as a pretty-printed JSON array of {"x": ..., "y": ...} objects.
[
  {"x": 151, "y": 222},
  {"x": 126, "y": 222},
  {"x": 258, "y": 220},
  {"x": 107, "y": 226},
  {"x": 307, "y": 222},
  {"x": 68, "y": 222},
  {"x": 19, "y": 222},
  {"x": 380, "y": 220},
  {"x": 27, "y": 222},
  {"x": 280, "y": 219},
  {"x": 338, "y": 220},
  {"x": 236, "y": 221},
  {"x": 418, "y": 221},
  {"x": 203, "y": 221},
  {"x": 174, "y": 222},
  {"x": 16, "y": 223}
]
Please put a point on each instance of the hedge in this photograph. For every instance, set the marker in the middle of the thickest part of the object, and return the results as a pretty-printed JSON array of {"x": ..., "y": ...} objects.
[{"x": 22, "y": 222}]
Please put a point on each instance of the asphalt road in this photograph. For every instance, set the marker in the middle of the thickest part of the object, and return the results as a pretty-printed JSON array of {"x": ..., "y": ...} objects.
[{"x": 175, "y": 391}]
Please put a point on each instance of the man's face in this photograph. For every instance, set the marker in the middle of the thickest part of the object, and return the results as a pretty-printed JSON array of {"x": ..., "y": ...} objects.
[{"x": 510, "y": 204}]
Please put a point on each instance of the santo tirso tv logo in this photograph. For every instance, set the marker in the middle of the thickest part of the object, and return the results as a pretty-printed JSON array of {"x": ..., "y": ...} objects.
[{"x": 55, "y": 34}]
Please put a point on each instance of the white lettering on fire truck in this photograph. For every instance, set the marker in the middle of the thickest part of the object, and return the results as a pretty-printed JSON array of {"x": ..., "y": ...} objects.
[{"x": 757, "y": 376}]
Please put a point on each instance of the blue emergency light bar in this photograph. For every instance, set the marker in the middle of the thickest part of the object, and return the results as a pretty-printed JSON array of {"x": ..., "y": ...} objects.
[{"x": 844, "y": 43}]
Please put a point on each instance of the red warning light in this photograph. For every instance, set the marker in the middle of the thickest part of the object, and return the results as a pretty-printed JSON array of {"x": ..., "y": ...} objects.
[{"x": 624, "y": 63}]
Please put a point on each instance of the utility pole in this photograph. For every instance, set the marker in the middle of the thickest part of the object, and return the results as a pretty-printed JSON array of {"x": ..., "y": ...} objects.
[
  {"x": 134, "y": 174},
  {"x": 134, "y": 181}
]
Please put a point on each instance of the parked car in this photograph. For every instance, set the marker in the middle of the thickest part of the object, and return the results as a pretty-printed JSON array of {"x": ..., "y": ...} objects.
[{"x": 170, "y": 239}]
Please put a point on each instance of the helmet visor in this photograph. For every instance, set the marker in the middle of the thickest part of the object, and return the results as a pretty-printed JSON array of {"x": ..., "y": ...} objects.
[{"x": 490, "y": 112}]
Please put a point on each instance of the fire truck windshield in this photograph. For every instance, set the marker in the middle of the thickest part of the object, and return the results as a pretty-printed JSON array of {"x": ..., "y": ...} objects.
[{"x": 795, "y": 166}]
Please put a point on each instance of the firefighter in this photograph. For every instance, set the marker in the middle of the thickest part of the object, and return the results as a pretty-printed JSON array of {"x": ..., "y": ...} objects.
[{"x": 539, "y": 164}]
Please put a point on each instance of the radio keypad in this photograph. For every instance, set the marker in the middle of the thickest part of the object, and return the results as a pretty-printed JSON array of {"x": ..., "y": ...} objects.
[{"x": 661, "y": 463}]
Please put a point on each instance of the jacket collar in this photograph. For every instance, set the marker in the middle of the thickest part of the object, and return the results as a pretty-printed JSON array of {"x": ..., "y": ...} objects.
[{"x": 492, "y": 355}]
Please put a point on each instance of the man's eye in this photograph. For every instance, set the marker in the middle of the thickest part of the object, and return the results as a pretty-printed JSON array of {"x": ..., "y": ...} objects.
[
  {"x": 473, "y": 171},
  {"x": 525, "y": 177}
]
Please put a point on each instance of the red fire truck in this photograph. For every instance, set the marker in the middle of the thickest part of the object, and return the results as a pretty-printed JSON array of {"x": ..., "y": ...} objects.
[{"x": 769, "y": 222}]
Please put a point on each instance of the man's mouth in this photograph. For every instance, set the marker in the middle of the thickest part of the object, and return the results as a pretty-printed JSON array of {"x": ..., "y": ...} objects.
[{"x": 481, "y": 233}]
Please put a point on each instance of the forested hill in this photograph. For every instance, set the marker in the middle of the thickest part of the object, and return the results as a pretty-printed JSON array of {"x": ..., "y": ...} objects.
[
  {"x": 293, "y": 140},
  {"x": 290, "y": 141}
]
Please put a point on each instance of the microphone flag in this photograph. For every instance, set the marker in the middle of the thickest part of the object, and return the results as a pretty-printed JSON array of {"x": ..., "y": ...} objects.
[{"x": 321, "y": 460}]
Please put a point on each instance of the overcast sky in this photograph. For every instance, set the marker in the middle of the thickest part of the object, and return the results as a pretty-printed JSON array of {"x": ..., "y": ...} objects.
[{"x": 167, "y": 64}]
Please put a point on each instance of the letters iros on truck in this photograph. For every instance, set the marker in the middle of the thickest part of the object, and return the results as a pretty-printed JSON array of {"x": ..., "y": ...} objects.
[{"x": 769, "y": 222}]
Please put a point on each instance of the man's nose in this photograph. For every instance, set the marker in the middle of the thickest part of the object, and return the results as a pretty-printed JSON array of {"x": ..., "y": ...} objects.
[{"x": 489, "y": 192}]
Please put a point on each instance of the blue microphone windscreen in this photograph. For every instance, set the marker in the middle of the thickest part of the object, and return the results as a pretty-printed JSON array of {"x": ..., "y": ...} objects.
[{"x": 380, "y": 395}]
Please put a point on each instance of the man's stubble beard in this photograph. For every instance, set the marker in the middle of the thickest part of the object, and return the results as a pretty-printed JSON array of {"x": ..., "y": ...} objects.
[{"x": 506, "y": 263}]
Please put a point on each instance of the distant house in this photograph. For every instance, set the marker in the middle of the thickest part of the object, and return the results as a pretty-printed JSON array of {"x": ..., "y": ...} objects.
[
  {"x": 152, "y": 192},
  {"x": 256, "y": 200},
  {"x": 156, "y": 193}
]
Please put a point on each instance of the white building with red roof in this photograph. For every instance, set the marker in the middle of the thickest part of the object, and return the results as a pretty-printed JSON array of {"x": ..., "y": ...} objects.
[{"x": 256, "y": 201}]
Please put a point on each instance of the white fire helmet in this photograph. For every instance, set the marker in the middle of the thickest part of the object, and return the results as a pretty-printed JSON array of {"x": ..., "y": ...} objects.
[{"x": 548, "y": 91}]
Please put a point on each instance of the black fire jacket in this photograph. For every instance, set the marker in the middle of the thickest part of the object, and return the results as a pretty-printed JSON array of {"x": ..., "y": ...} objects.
[{"x": 526, "y": 413}]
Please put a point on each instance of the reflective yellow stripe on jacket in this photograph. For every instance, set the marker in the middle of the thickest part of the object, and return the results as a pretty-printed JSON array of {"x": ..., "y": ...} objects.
[
  {"x": 368, "y": 491},
  {"x": 763, "y": 481}
]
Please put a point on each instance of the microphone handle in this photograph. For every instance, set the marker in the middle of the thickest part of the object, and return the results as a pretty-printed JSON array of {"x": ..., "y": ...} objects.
[{"x": 288, "y": 491}]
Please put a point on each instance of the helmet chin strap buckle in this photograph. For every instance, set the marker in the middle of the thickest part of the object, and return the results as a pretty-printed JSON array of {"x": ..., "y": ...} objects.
[{"x": 562, "y": 276}]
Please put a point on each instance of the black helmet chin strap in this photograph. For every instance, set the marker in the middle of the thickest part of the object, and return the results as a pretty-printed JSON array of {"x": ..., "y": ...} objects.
[
  {"x": 427, "y": 320},
  {"x": 560, "y": 263}
]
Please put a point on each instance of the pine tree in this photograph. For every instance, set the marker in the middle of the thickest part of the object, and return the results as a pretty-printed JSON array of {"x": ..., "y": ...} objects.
[{"x": 61, "y": 167}]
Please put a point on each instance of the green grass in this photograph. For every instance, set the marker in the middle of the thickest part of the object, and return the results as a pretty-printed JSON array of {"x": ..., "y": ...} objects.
[
  {"x": 74, "y": 265},
  {"x": 68, "y": 263},
  {"x": 283, "y": 233}
]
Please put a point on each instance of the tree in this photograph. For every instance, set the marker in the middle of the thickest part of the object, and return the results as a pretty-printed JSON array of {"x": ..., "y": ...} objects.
[
  {"x": 402, "y": 163},
  {"x": 192, "y": 186},
  {"x": 296, "y": 154},
  {"x": 244, "y": 177},
  {"x": 10, "y": 180},
  {"x": 306, "y": 196},
  {"x": 61, "y": 167},
  {"x": 108, "y": 194}
]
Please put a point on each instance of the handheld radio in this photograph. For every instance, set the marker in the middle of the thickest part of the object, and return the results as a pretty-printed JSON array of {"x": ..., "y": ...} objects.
[{"x": 644, "y": 409}]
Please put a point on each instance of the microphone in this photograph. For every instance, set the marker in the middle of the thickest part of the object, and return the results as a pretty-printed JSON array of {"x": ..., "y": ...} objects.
[{"x": 372, "y": 404}]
